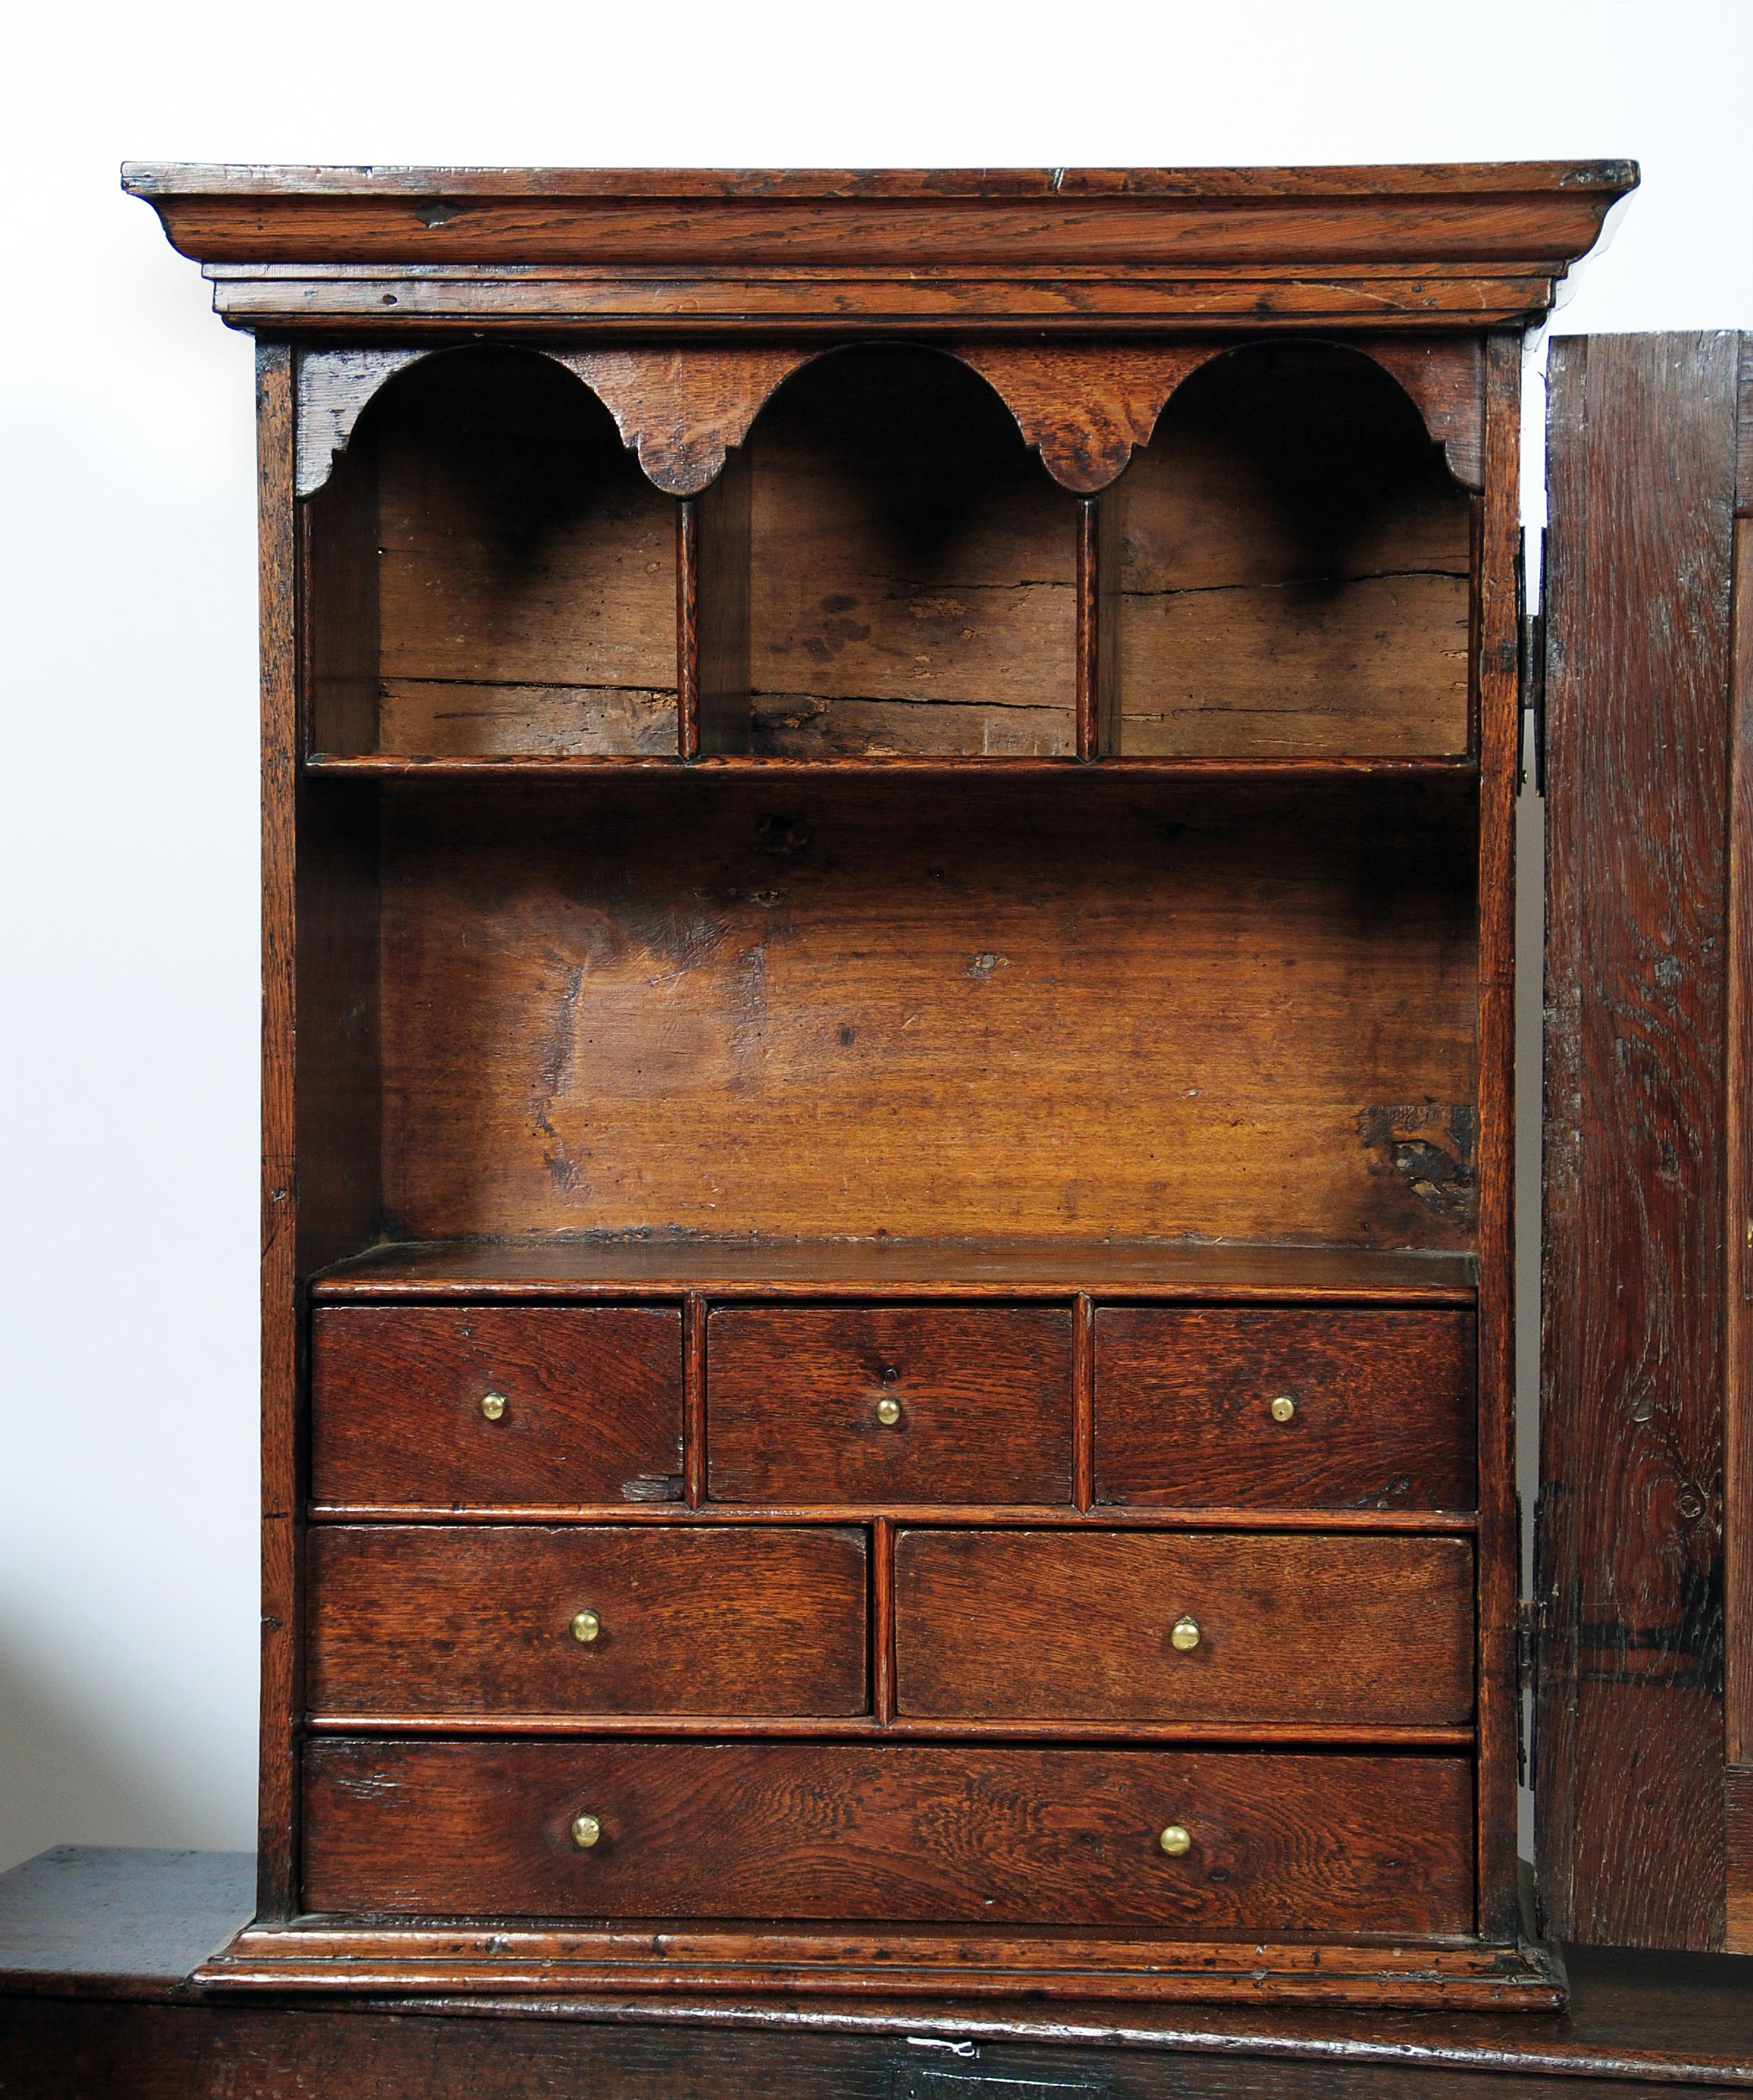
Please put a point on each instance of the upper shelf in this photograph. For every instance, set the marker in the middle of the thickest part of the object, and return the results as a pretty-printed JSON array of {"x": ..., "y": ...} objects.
[
  {"x": 882, "y": 572},
  {"x": 376, "y": 250}
]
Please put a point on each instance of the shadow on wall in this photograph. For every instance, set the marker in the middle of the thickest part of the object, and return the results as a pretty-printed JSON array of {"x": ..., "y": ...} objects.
[{"x": 65, "y": 1777}]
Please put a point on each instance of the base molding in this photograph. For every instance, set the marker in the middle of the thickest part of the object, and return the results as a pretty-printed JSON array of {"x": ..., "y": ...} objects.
[{"x": 321, "y": 1955}]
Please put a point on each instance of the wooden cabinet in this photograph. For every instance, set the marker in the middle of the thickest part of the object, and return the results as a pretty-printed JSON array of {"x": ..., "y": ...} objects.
[{"x": 887, "y": 1294}]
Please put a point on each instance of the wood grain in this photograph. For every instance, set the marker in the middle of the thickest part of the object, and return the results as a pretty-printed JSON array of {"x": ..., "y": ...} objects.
[
  {"x": 1497, "y": 707},
  {"x": 79, "y": 1923},
  {"x": 1108, "y": 974},
  {"x": 593, "y": 1405},
  {"x": 891, "y": 1967},
  {"x": 526, "y": 580},
  {"x": 681, "y": 411},
  {"x": 1087, "y": 406},
  {"x": 1385, "y": 1406},
  {"x": 585, "y": 1266},
  {"x": 1737, "y": 1336},
  {"x": 986, "y": 1401},
  {"x": 655, "y": 938},
  {"x": 1641, "y": 465},
  {"x": 688, "y": 616},
  {"x": 912, "y": 569},
  {"x": 482, "y": 302},
  {"x": 1349, "y": 1736},
  {"x": 1637, "y": 2029},
  {"x": 286, "y": 1234},
  {"x": 1084, "y": 407},
  {"x": 722, "y": 548},
  {"x": 334, "y": 386},
  {"x": 428, "y": 1620},
  {"x": 909, "y": 1833},
  {"x": 1076, "y": 249},
  {"x": 1372, "y": 1631},
  {"x": 1294, "y": 567},
  {"x": 1737, "y": 1815}
]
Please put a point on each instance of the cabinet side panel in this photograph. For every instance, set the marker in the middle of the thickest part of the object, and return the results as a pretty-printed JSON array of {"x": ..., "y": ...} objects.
[
  {"x": 277, "y": 1800},
  {"x": 321, "y": 1168},
  {"x": 1630, "y": 1784},
  {"x": 1497, "y": 704}
]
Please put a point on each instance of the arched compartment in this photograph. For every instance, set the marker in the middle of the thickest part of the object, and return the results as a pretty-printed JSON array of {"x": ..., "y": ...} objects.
[
  {"x": 1294, "y": 569},
  {"x": 912, "y": 568},
  {"x": 492, "y": 573}
]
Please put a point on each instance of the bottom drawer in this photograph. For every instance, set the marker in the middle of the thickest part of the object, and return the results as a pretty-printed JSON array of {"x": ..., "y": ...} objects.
[{"x": 902, "y": 1833}]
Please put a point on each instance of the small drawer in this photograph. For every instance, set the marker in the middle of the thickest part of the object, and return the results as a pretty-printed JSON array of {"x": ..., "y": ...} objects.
[
  {"x": 889, "y": 1404},
  {"x": 1238, "y": 1630},
  {"x": 1304, "y": 1409},
  {"x": 438, "y": 1620},
  {"x": 905, "y": 1833},
  {"x": 480, "y": 1407}
]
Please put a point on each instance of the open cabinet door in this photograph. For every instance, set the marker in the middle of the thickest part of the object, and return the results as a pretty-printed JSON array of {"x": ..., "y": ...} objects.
[{"x": 1644, "y": 1538}]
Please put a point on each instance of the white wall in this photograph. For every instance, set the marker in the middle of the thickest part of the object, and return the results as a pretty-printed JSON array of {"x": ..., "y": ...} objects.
[{"x": 128, "y": 1013}]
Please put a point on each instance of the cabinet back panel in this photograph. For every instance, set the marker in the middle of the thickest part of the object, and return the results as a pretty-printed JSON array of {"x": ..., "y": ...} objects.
[
  {"x": 1086, "y": 1008},
  {"x": 525, "y": 579},
  {"x": 913, "y": 568},
  {"x": 1294, "y": 568}
]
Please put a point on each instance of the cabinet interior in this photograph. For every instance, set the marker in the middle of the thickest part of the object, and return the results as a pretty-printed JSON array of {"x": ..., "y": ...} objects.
[
  {"x": 1091, "y": 1010},
  {"x": 885, "y": 572}
]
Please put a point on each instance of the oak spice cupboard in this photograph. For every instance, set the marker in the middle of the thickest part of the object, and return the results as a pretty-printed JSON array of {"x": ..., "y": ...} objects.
[{"x": 888, "y": 910}]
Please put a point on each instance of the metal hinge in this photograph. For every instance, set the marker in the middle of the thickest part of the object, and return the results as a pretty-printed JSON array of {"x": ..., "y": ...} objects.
[
  {"x": 1530, "y": 622},
  {"x": 1530, "y": 1624}
]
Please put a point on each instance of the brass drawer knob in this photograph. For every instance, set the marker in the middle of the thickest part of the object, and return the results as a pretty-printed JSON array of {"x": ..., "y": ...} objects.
[
  {"x": 586, "y": 1830},
  {"x": 888, "y": 1411},
  {"x": 1282, "y": 1408},
  {"x": 1184, "y": 1634},
  {"x": 492, "y": 1405},
  {"x": 586, "y": 1625},
  {"x": 1176, "y": 1840}
]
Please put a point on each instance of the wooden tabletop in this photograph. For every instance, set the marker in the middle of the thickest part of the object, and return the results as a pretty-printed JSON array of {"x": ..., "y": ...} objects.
[{"x": 89, "y": 1924}]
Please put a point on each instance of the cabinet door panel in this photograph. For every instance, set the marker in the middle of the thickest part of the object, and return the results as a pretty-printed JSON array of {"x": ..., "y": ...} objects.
[{"x": 1646, "y": 1416}]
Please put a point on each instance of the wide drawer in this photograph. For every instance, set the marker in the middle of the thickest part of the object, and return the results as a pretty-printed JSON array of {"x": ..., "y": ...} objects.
[
  {"x": 435, "y": 1619},
  {"x": 903, "y": 1832},
  {"x": 1273, "y": 1630},
  {"x": 1381, "y": 1411},
  {"x": 472, "y": 1407},
  {"x": 889, "y": 1404}
]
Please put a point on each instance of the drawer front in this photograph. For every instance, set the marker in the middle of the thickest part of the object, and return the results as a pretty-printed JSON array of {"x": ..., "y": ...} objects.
[
  {"x": 799, "y": 1406},
  {"x": 903, "y": 1832},
  {"x": 427, "y": 1619},
  {"x": 406, "y": 1405},
  {"x": 1080, "y": 1626},
  {"x": 1382, "y": 1411}
]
